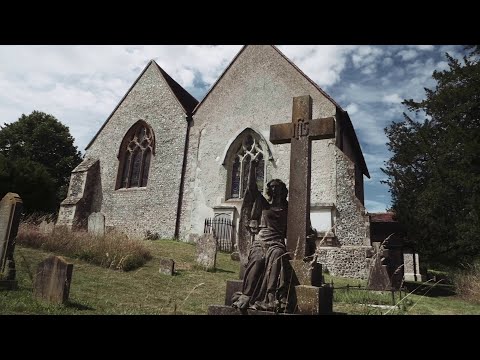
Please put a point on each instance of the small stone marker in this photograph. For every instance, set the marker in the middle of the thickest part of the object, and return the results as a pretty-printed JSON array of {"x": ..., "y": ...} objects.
[
  {"x": 411, "y": 267},
  {"x": 53, "y": 279},
  {"x": 207, "y": 251},
  {"x": 167, "y": 266},
  {"x": 46, "y": 227},
  {"x": 96, "y": 224}
]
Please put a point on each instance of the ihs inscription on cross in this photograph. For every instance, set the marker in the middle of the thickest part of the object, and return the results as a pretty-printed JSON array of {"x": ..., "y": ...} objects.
[{"x": 299, "y": 133}]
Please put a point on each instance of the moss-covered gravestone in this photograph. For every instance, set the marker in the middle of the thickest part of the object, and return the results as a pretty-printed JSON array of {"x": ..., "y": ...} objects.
[
  {"x": 207, "y": 251},
  {"x": 53, "y": 279},
  {"x": 10, "y": 211}
]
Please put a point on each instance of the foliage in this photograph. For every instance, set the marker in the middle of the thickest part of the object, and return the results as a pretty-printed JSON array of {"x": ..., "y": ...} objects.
[
  {"x": 113, "y": 251},
  {"x": 434, "y": 171},
  {"x": 467, "y": 282},
  {"x": 37, "y": 156}
]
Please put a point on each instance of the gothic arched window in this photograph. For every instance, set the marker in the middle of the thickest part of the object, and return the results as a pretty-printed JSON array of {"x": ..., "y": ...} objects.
[
  {"x": 135, "y": 156},
  {"x": 247, "y": 147}
]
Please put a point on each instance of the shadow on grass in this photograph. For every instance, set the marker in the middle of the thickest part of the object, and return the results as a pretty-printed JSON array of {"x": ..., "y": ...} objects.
[
  {"x": 430, "y": 290},
  {"x": 76, "y": 305},
  {"x": 224, "y": 271}
]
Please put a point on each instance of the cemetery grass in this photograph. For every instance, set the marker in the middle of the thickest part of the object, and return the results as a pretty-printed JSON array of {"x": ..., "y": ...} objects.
[
  {"x": 97, "y": 290},
  {"x": 362, "y": 302},
  {"x": 102, "y": 291}
]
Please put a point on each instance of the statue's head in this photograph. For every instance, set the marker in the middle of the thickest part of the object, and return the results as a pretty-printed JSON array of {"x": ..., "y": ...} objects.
[{"x": 276, "y": 189}]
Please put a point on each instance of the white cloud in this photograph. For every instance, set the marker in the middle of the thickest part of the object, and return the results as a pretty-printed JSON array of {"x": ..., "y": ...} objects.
[
  {"x": 392, "y": 98},
  {"x": 373, "y": 206},
  {"x": 388, "y": 61},
  {"x": 322, "y": 63},
  {"x": 422, "y": 47},
  {"x": 407, "y": 54},
  {"x": 352, "y": 108}
]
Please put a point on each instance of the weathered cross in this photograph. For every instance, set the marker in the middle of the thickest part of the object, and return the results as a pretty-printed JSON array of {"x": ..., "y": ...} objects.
[{"x": 299, "y": 133}]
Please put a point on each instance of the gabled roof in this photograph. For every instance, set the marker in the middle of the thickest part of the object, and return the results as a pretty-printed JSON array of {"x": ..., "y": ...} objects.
[
  {"x": 382, "y": 217},
  {"x": 186, "y": 101},
  {"x": 281, "y": 54},
  {"x": 353, "y": 136},
  {"x": 355, "y": 142}
]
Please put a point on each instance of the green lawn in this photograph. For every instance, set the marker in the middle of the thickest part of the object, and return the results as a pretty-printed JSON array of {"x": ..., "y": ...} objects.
[{"x": 97, "y": 290}]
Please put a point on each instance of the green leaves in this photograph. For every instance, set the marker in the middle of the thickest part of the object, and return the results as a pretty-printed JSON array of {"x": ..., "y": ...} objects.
[
  {"x": 434, "y": 171},
  {"x": 36, "y": 157}
]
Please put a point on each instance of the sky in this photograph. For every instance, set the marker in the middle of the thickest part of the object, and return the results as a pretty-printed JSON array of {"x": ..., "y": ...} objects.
[{"x": 81, "y": 85}]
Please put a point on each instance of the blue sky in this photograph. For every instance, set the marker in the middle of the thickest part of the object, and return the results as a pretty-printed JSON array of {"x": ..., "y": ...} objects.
[{"x": 81, "y": 85}]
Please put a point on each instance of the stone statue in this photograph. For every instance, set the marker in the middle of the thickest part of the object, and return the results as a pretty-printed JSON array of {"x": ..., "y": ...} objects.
[{"x": 268, "y": 274}]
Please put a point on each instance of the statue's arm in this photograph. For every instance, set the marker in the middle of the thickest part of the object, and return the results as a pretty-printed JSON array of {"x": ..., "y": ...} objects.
[{"x": 252, "y": 178}]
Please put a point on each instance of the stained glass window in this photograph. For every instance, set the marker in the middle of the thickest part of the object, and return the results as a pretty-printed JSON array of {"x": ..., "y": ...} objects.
[
  {"x": 136, "y": 151},
  {"x": 248, "y": 149}
]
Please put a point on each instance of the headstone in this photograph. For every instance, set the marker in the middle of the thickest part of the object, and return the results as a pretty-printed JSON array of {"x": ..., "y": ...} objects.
[
  {"x": 207, "y": 251},
  {"x": 307, "y": 272},
  {"x": 300, "y": 132},
  {"x": 167, "y": 266},
  {"x": 53, "y": 279},
  {"x": 46, "y": 227},
  {"x": 10, "y": 211},
  {"x": 314, "y": 300},
  {"x": 233, "y": 286},
  {"x": 411, "y": 267},
  {"x": 379, "y": 278},
  {"x": 96, "y": 224}
]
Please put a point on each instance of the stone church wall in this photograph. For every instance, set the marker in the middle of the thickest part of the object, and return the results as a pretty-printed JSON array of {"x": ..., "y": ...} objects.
[
  {"x": 349, "y": 259},
  {"x": 154, "y": 207},
  {"x": 256, "y": 92}
]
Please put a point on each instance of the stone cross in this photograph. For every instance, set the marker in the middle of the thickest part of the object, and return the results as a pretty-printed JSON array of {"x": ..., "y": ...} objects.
[
  {"x": 299, "y": 133},
  {"x": 10, "y": 212}
]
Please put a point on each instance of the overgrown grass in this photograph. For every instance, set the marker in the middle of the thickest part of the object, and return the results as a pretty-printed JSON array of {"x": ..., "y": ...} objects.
[
  {"x": 114, "y": 250},
  {"x": 101, "y": 291},
  {"x": 467, "y": 283},
  {"x": 97, "y": 290}
]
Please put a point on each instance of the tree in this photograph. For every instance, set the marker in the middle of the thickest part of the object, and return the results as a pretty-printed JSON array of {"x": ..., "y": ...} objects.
[
  {"x": 37, "y": 156},
  {"x": 434, "y": 171}
]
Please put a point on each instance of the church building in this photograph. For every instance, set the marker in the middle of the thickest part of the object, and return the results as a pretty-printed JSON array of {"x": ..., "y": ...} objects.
[{"x": 163, "y": 162}]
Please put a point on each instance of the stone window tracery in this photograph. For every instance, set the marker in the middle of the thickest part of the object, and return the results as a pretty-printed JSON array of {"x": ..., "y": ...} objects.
[
  {"x": 135, "y": 156},
  {"x": 248, "y": 147}
]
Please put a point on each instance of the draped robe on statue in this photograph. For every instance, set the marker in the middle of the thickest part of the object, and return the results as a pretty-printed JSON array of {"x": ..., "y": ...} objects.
[{"x": 267, "y": 283}]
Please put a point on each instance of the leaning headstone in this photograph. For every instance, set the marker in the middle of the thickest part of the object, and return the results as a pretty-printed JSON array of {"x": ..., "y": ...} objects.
[
  {"x": 10, "y": 211},
  {"x": 379, "y": 278},
  {"x": 166, "y": 266},
  {"x": 53, "y": 279},
  {"x": 206, "y": 251},
  {"x": 46, "y": 227},
  {"x": 96, "y": 224},
  {"x": 412, "y": 267}
]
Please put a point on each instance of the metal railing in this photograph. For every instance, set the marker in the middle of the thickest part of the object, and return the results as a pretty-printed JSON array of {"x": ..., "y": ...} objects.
[{"x": 223, "y": 232}]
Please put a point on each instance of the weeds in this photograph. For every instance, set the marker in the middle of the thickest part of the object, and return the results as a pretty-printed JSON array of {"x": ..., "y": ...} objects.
[
  {"x": 114, "y": 250},
  {"x": 467, "y": 283}
]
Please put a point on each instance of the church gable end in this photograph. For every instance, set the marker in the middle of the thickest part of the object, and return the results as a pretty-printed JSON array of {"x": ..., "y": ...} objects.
[
  {"x": 255, "y": 91},
  {"x": 140, "y": 149}
]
